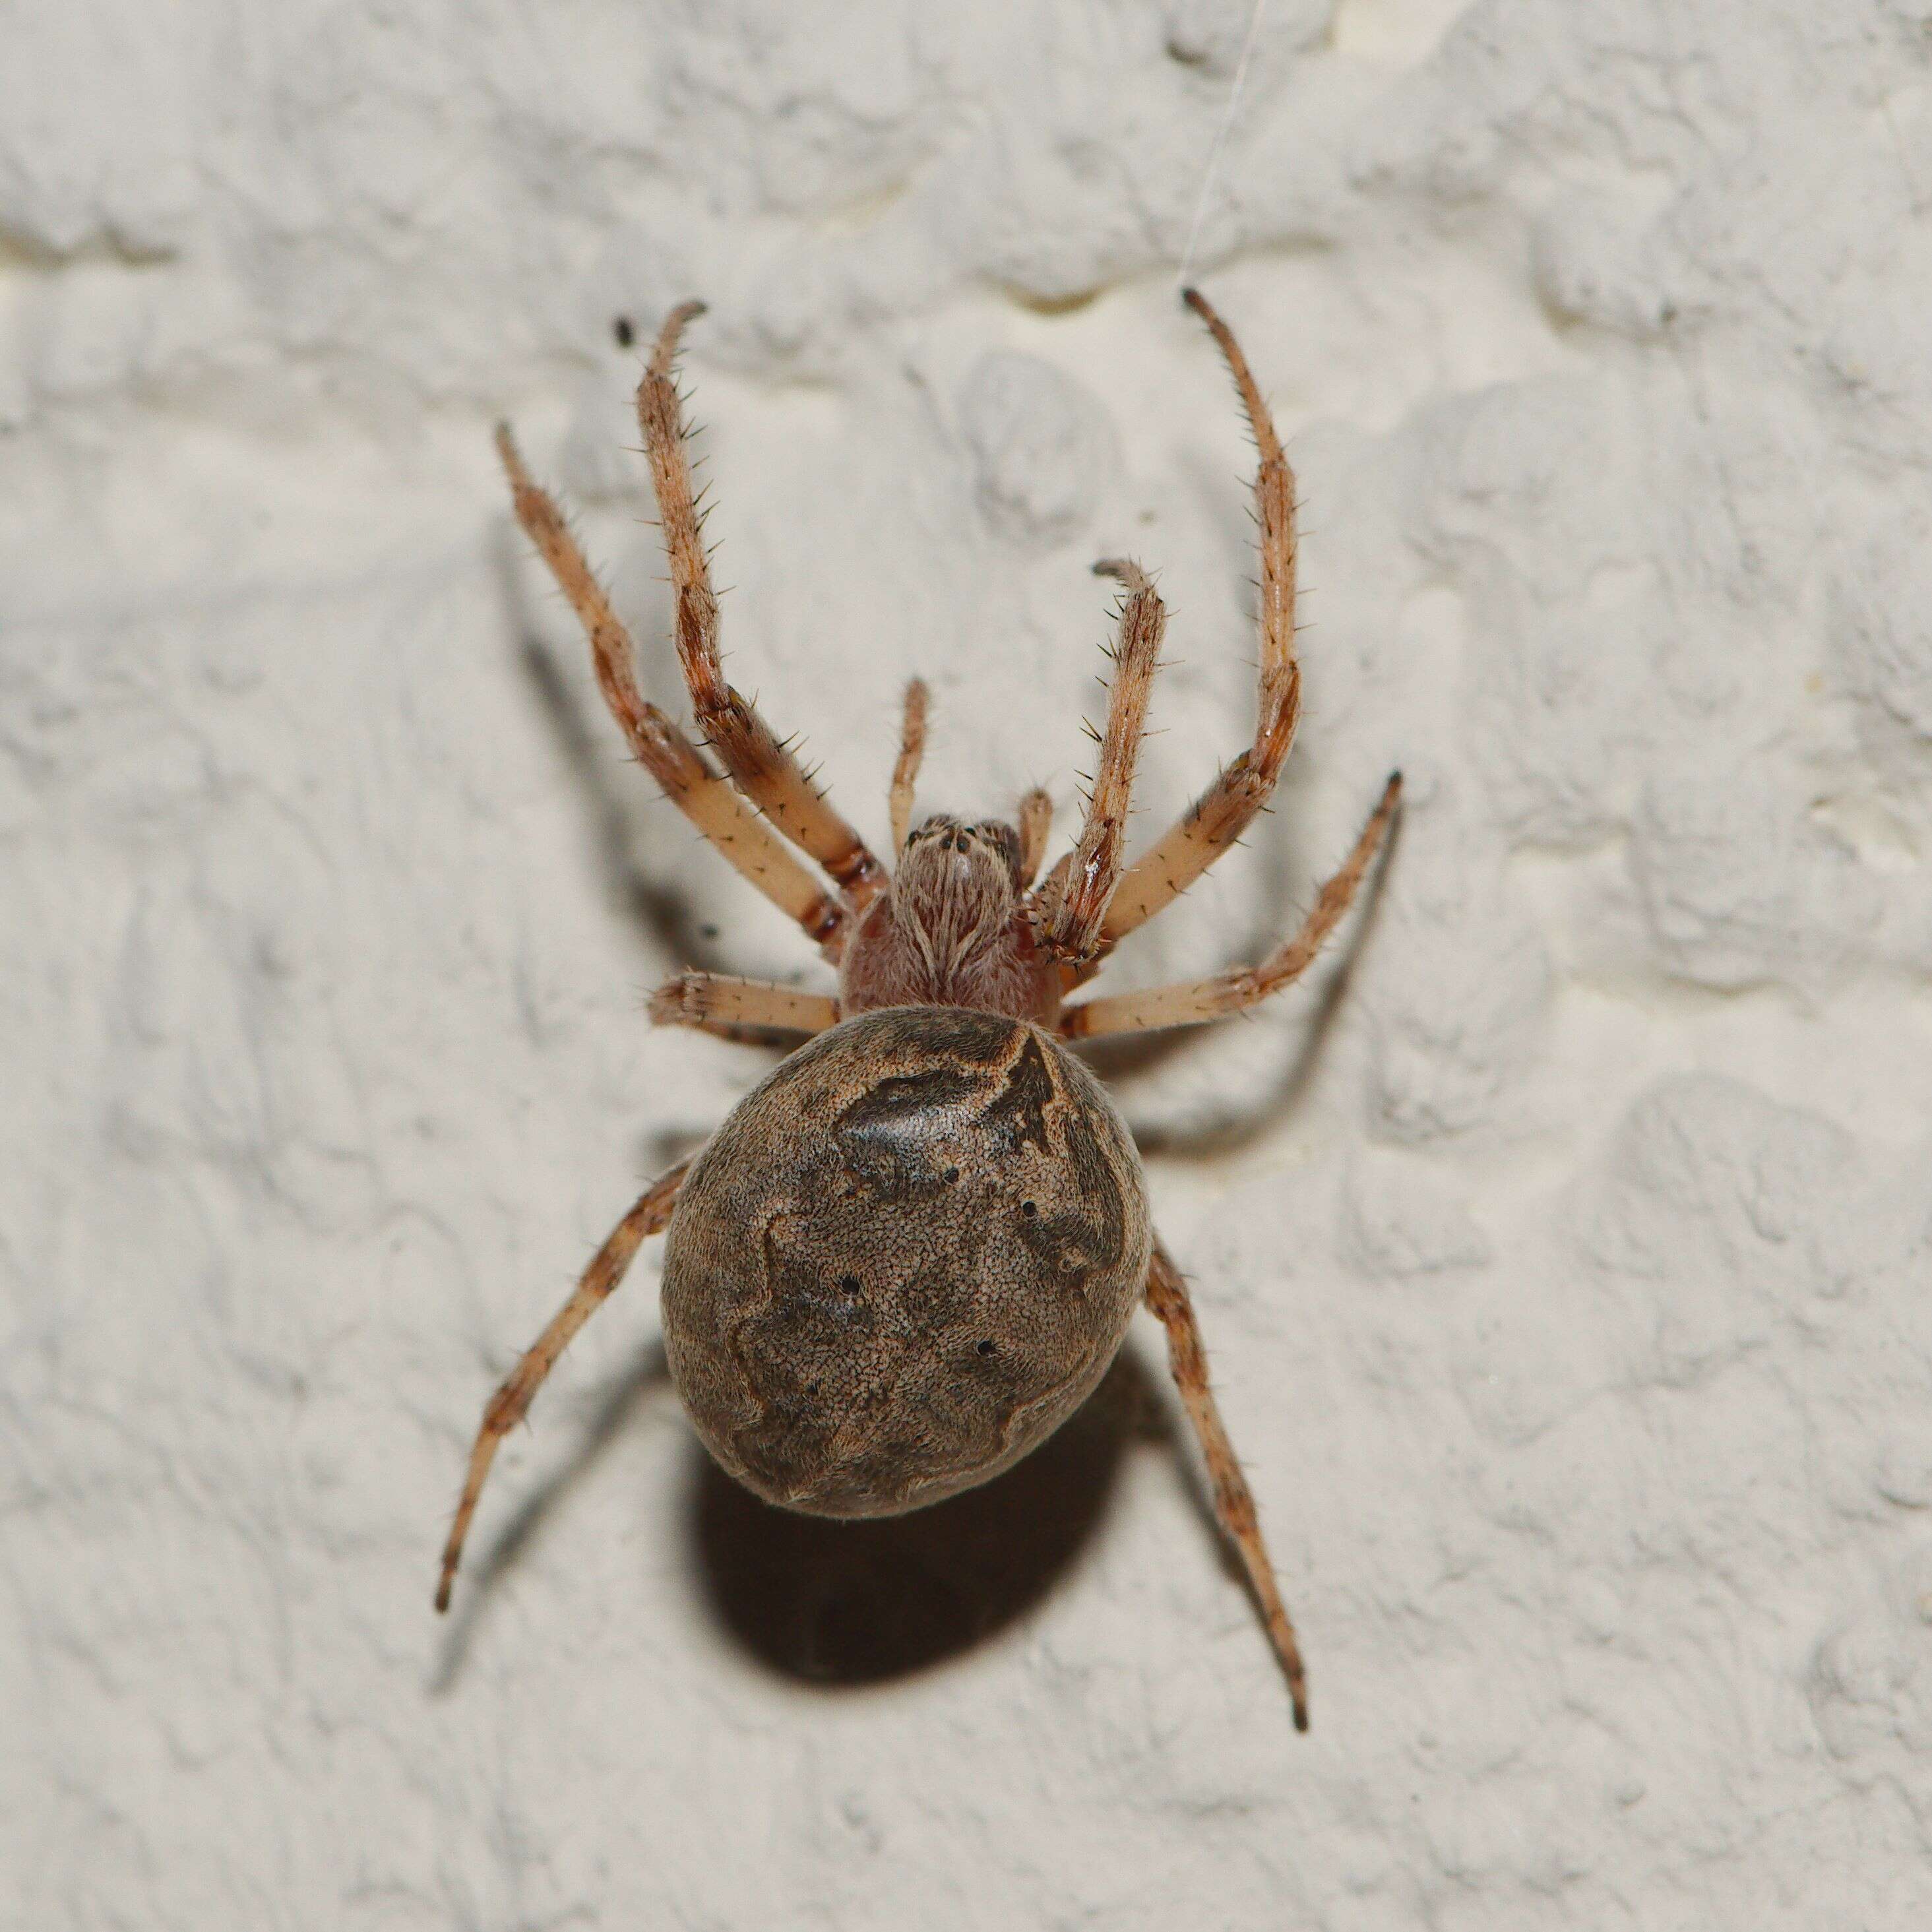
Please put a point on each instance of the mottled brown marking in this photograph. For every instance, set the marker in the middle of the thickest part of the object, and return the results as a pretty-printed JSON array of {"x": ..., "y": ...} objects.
[
  {"x": 1020, "y": 1111},
  {"x": 882, "y": 1137},
  {"x": 917, "y": 1140}
]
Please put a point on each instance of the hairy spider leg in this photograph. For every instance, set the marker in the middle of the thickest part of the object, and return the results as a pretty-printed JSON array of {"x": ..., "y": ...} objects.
[
  {"x": 1167, "y": 1297},
  {"x": 1219, "y": 817},
  {"x": 1070, "y": 908},
  {"x": 762, "y": 765},
  {"x": 753, "y": 1010},
  {"x": 1189, "y": 1003},
  {"x": 905, "y": 767},
  {"x": 505, "y": 1408},
  {"x": 682, "y": 771}
]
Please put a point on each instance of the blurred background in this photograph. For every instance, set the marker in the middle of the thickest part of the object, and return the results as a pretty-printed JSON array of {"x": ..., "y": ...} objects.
[{"x": 1562, "y": 1243}]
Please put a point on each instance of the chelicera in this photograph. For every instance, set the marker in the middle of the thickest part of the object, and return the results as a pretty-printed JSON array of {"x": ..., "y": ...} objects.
[{"x": 911, "y": 1252}]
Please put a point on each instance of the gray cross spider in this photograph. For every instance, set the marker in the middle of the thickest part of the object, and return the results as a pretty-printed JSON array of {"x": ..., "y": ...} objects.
[{"x": 911, "y": 1252}]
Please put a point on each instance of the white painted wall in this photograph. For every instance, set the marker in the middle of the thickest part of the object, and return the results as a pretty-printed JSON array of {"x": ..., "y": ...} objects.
[{"x": 1566, "y": 1266}]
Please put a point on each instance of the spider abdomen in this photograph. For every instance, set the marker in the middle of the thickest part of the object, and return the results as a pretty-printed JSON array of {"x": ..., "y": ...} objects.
[{"x": 908, "y": 1256}]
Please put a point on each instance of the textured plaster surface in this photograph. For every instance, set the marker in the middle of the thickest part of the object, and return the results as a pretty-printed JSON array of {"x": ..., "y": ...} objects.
[{"x": 1564, "y": 1243}]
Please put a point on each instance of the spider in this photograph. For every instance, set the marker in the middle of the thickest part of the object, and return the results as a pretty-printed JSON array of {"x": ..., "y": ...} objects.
[{"x": 912, "y": 1251}]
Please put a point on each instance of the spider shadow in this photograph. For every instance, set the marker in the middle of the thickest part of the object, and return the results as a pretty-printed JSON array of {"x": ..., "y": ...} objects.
[
  {"x": 1119, "y": 1061},
  {"x": 845, "y": 1604}
]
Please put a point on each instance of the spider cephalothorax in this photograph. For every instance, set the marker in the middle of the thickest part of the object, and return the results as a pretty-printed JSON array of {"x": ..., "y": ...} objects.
[
  {"x": 953, "y": 928},
  {"x": 913, "y": 1250}
]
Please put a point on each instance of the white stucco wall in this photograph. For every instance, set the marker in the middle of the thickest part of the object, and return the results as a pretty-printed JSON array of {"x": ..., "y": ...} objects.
[{"x": 1568, "y": 1265}]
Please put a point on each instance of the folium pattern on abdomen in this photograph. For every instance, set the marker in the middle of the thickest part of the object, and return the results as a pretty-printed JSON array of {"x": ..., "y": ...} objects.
[{"x": 908, "y": 1256}]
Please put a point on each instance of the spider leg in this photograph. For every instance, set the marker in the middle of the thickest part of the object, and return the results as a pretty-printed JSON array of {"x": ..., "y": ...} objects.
[
  {"x": 1035, "y": 823},
  {"x": 1189, "y": 1003},
  {"x": 1224, "y": 810},
  {"x": 505, "y": 1408},
  {"x": 1071, "y": 906},
  {"x": 763, "y": 769},
  {"x": 752, "y": 1010},
  {"x": 1167, "y": 1297},
  {"x": 680, "y": 768},
  {"x": 905, "y": 768}
]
